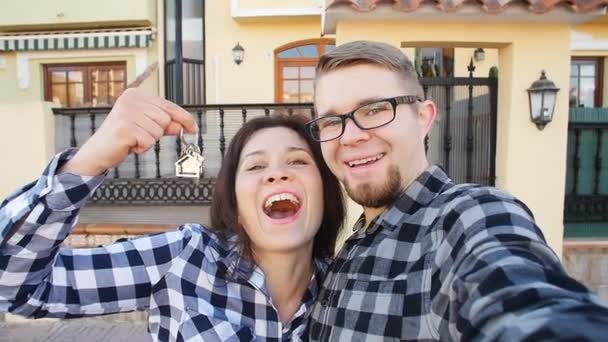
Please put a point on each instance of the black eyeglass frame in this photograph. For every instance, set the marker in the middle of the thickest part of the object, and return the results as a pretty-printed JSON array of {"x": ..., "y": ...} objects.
[{"x": 394, "y": 101}]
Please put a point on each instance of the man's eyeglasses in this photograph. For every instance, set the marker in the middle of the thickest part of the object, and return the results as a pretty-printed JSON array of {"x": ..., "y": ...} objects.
[{"x": 371, "y": 115}]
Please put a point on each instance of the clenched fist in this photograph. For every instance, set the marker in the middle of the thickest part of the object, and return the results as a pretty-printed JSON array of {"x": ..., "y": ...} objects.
[{"x": 137, "y": 121}]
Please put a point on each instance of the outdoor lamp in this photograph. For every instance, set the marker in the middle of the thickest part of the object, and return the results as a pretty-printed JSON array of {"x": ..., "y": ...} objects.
[
  {"x": 479, "y": 55},
  {"x": 238, "y": 53},
  {"x": 542, "y": 95}
]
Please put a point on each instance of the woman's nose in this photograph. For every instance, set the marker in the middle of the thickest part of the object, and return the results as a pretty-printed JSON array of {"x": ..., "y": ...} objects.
[
  {"x": 277, "y": 174},
  {"x": 274, "y": 178}
]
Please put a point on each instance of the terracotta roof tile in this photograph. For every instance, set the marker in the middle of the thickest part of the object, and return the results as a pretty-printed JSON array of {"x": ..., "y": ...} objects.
[{"x": 490, "y": 6}]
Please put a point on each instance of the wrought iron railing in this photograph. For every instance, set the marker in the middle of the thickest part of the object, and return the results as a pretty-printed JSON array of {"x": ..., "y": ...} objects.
[
  {"x": 149, "y": 178},
  {"x": 587, "y": 169},
  {"x": 463, "y": 139}
]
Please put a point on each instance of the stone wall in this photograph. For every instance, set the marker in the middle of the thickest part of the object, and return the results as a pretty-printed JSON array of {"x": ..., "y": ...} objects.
[{"x": 587, "y": 261}]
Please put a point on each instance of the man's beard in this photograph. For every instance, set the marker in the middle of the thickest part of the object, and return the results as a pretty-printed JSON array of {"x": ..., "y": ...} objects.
[{"x": 377, "y": 196}]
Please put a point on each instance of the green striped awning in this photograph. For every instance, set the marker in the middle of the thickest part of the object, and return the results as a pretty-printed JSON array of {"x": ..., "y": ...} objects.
[{"x": 70, "y": 40}]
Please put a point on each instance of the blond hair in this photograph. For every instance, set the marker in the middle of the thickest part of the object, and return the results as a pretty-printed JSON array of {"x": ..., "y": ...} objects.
[{"x": 374, "y": 53}]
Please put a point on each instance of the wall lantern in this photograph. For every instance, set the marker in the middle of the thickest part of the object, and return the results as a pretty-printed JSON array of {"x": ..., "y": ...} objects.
[
  {"x": 542, "y": 96},
  {"x": 238, "y": 53},
  {"x": 479, "y": 55}
]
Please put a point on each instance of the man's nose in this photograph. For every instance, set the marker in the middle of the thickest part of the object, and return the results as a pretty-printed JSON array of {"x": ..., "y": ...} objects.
[{"x": 352, "y": 133}]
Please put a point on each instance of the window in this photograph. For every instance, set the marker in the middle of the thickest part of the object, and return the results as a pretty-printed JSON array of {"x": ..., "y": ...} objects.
[
  {"x": 84, "y": 85},
  {"x": 295, "y": 69},
  {"x": 586, "y": 82}
]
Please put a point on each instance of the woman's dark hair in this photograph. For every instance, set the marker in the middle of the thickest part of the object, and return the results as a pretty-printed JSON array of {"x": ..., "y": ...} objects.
[{"x": 224, "y": 211}]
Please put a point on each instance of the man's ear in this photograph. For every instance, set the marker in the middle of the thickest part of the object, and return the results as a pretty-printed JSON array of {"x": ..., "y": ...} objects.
[{"x": 427, "y": 113}]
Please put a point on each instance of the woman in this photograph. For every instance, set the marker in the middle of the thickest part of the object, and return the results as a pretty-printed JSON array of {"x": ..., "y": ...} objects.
[{"x": 275, "y": 214}]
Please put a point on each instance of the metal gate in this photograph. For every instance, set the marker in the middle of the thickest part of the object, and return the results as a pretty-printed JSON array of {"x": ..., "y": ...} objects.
[{"x": 463, "y": 140}]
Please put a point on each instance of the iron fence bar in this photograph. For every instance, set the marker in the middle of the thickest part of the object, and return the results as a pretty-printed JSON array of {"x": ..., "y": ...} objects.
[
  {"x": 222, "y": 137},
  {"x": 179, "y": 55},
  {"x": 92, "y": 118},
  {"x": 199, "y": 92},
  {"x": 178, "y": 146},
  {"x": 576, "y": 160},
  {"x": 137, "y": 172},
  {"x": 447, "y": 139},
  {"x": 493, "y": 129},
  {"x": 188, "y": 90},
  {"x": 73, "y": 142},
  {"x": 157, "y": 158},
  {"x": 425, "y": 90},
  {"x": 598, "y": 160},
  {"x": 469, "y": 164},
  {"x": 199, "y": 115}
]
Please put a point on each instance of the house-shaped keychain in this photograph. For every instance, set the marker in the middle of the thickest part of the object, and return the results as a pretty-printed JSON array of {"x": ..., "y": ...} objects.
[{"x": 190, "y": 164}]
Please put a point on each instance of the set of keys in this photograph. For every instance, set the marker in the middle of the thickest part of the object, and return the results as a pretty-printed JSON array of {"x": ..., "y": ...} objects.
[{"x": 190, "y": 162}]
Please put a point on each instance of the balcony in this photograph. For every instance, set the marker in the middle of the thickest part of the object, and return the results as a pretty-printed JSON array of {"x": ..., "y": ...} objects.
[
  {"x": 586, "y": 203},
  {"x": 149, "y": 179},
  {"x": 68, "y": 14}
]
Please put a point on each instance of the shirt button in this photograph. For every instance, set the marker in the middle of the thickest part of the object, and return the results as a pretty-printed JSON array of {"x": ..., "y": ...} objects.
[{"x": 324, "y": 302}]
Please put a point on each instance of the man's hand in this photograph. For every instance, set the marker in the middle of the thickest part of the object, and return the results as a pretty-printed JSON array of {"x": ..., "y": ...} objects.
[{"x": 137, "y": 121}]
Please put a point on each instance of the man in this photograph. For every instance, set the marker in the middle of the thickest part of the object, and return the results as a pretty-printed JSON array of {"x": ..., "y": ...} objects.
[{"x": 429, "y": 259}]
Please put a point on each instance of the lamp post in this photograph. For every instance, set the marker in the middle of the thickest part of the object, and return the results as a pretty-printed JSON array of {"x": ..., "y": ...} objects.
[{"x": 542, "y": 95}]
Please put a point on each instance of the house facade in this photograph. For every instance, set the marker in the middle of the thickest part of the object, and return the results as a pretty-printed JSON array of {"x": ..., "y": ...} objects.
[{"x": 63, "y": 65}]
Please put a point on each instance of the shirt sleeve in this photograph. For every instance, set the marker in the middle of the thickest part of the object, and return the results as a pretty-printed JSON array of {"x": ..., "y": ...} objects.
[
  {"x": 502, "y": 282},
  {"x": 40, "y": 278}
]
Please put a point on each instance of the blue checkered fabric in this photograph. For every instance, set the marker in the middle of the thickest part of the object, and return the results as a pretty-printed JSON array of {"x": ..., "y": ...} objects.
[
  {"x": 193, "y": 284},
  {"x": 451, "y": 262}
]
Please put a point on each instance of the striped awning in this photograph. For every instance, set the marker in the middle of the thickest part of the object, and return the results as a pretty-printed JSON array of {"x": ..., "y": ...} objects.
[{"x": 70, "y": 40}]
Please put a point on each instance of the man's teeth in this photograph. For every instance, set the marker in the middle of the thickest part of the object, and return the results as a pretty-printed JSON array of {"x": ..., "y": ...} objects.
[
  {"x": 281, "y": 197},
  {"x": 354, "y": 163}
]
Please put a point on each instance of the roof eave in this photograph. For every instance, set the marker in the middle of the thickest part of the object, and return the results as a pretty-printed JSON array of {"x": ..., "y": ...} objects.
[{"x": 467, "y": 13}]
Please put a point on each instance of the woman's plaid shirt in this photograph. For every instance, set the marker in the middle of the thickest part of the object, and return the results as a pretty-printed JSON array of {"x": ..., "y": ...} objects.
[
  {"x": 184, "y": 278},
  {"x": 451, "y": 262}
]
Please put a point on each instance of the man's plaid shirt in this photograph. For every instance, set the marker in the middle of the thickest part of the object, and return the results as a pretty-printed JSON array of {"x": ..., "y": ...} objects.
[
  {"x": 453, "y": 262},
  {"x": 184, "y": 278}
]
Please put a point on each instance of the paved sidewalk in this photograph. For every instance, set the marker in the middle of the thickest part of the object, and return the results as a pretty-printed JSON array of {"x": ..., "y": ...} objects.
[{"x": 87, "y": 329}]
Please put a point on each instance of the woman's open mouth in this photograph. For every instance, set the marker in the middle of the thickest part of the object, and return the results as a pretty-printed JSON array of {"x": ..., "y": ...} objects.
[{"x": 282, "y": 206}]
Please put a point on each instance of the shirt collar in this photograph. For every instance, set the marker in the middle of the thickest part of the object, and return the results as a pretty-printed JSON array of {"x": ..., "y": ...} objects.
[
  {"x": 247, "y": 271},
  {"x": 428, "y": 185}
]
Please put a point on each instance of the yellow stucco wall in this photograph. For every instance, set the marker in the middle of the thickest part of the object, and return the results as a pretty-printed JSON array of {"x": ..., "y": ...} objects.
[
  {"x": 529, "y": 163},
  {"x": 75, "y": 13},
  {"x": 253, "y": 80},
  {"x": 29, "y": 121},
  {"x": 598, "y": 31},
  {"x": 26, "y": 142}
]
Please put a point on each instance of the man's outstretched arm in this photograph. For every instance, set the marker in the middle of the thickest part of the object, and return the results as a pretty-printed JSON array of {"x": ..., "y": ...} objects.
[{"x": 506, "y": 284}]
